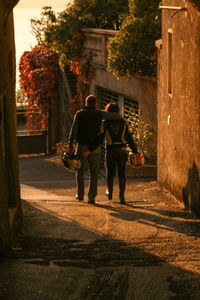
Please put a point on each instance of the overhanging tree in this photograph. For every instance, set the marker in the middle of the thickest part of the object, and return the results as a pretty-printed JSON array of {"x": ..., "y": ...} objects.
[
  {"x": 60, "y": 32},
  {"x": 132, "y": 51},
  {"x": 63, "y": 34}
]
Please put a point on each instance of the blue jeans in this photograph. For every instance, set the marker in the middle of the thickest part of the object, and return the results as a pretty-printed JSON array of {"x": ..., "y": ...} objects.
[{"x": 93, "y": 161}]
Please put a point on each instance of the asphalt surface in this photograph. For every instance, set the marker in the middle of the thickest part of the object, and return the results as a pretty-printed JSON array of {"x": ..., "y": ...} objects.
[{"x": 148, "y": 249}]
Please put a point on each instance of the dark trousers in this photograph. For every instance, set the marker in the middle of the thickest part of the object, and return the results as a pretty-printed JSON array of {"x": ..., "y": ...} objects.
[
  {"x": 116, "y": 158},
  {"x": 93, "y": 162}
]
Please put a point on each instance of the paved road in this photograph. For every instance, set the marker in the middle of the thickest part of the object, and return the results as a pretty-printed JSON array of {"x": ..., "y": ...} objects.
[{"x": 148, "y": 249}]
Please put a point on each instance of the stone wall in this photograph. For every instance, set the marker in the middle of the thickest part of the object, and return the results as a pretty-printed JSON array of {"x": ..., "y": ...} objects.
[
  {"x": 178, "y": 103},
  {"x": 10, "y": 203}
]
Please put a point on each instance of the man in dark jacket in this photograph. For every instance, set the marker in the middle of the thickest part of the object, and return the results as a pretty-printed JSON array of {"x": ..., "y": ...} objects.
[{"x": 84, "y": 130}]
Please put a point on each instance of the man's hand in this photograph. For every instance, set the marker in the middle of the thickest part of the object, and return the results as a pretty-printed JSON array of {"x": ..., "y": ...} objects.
[
  {"x": 86, "y": 153},
  {"x": 71, "y": 150}
]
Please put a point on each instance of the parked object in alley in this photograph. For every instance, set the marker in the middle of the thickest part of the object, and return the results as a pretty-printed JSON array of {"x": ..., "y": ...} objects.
[
  {"x": 136, "y": 159},
  {"x": 71, "y": 161}
]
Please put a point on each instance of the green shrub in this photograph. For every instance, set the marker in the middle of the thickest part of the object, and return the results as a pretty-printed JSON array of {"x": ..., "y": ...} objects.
[
  {"x": 132, "y": 51},
  {"x": 142, "y": 134}
]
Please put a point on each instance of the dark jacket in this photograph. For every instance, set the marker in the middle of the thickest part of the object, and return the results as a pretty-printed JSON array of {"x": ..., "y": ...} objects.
[
  {"x": 117, "y": 135},
  {"x": 85, "y": 127}
]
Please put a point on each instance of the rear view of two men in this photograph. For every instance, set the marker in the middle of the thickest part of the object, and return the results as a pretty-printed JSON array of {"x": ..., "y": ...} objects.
[{"x": 90, "y": 127}]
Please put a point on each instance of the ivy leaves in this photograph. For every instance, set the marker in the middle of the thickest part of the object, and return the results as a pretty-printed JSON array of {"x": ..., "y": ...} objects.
[{"x": 38, "y": 71}]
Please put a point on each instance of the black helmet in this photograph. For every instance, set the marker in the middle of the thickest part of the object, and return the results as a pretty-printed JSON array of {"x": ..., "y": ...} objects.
[{"x": 70, "y": 161}]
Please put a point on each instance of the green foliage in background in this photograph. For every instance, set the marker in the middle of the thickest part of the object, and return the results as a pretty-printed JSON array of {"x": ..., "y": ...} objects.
[
  {"x": 132, "y": 51},
  {"x": 142, "y": 134},
  {"x": 61, "y": 31}
]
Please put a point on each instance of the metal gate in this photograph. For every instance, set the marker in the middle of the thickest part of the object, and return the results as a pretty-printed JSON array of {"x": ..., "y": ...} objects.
[
  {"x": 126, "y": 104},
  {"x": 30, "y": 142},
  {"x": 130, "y": 106},
  {"x": 107, "y": 96}
]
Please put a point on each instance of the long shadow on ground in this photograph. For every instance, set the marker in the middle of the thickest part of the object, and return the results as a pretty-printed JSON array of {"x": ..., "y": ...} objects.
[{"x": 48, "y": 267}]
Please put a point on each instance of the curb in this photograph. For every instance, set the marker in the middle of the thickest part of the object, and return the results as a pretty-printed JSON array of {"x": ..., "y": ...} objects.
[{"x": 145, "y": 171}]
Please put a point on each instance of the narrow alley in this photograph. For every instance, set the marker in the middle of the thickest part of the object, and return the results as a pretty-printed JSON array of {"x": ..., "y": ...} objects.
[{"x": 147, "y": 249}]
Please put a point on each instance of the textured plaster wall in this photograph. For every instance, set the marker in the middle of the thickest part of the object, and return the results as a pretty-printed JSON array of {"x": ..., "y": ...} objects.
[
  {"x": 143, "y": 91},
  {"x": 179, "y": 113}
]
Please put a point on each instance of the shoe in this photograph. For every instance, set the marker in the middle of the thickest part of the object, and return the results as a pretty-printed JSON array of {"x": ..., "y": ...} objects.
[
  {"x": 122, "y": 200},
  {"x": 108, "y": 195},
  {"x": 122, "y": 185},
  {"x": 91, "y": 201},
  {"x": 79, "y": 198}
]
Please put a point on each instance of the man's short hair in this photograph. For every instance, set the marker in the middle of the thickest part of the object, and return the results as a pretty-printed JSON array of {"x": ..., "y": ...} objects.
[
  {"x": 90, "y": 101},
  {"x": 112, "y": 107}
]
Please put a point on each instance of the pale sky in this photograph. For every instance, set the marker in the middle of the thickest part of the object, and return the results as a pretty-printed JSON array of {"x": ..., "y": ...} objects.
[
  {"x": 61, "y": 4},
  {"x": 24, "y": 11}
]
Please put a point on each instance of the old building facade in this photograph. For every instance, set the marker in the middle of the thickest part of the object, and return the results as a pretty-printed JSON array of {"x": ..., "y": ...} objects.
[
  {"x": 10, "y": 203},
  {"x": 135, "y": 93},
  {"x": 178, "y": 101}
]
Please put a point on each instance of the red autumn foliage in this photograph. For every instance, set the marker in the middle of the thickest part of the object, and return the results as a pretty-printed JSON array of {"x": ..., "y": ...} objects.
[
  {"x": 85, "y": 72},
  {"x": 38, "y": 71}
]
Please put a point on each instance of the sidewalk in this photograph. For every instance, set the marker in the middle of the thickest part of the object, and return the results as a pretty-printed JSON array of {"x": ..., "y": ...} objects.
[{"x": 148, "y": 249}]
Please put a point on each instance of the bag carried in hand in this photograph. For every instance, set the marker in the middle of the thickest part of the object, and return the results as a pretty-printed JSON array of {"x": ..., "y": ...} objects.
[{"x": 136, "y": 159}]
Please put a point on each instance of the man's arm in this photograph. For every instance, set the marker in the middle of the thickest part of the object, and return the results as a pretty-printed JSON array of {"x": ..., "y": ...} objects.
[
  {"x": 110, "y": 115},
  {"x": 73, "y": 131},
  {"x": 98, "y": 140}
]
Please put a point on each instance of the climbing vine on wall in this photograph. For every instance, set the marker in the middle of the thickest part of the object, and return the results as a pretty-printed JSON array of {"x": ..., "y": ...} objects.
[
  {"x": 81, "y": 66},
  {"x": 62, "y": 33},
  {"x": 38, "y": 71}
]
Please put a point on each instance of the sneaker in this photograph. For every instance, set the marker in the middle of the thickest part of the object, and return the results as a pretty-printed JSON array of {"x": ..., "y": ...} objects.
[
  {"x": 91, "y": 201},
  {"x": 108, "y": 195},
  {"x": 79, "y": 198}
]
